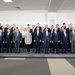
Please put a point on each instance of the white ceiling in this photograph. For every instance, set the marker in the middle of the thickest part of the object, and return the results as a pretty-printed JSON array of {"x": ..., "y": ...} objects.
[
  {"x": 68, "y": 5},
  {"x": 49, "y": 5},
  {"x": 25, "y": 5}
]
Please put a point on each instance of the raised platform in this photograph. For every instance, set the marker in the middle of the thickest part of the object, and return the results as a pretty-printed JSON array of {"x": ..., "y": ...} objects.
[{"x": 24, "y": 55}]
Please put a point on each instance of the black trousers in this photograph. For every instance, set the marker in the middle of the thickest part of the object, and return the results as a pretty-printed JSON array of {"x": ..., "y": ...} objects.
[
  {"x": 37, "y": 44},
  {"x": 69, "y": 47},
  {"x": 28, "y": 48},
  {"x": 1, "y": 47},
  {"x": 64, "y": 47},
  {"x": 23, "y": 44},
  {"x": 33, "y": 45},
  {"x": 9, "y": 48}
]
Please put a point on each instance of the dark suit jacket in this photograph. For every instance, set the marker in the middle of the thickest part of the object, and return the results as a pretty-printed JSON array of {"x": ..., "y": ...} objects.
[
  {"x": 58, "y": 30},
  {"x": 17, "y": 38},
  {"x": 55, "y": 38},
  {"x": 9, "y": 37},
  {"x": 65, "y": 28},
  {"x": 46, "y": 38},
  {"x": 42, "y": 34},
  {"x": 51, "y": 30},
  {"x": 0, "y": 27},
  {"x": 1, "y": 39},
  {"x": 39, "y": 28},
  {"x": 63, "y": 38},
  {"x": 31, "y": 31},
  {"x": 5, "y": 33},
  {"x": 68, "y": 33},
  {"x": 48, "y": 29},
  {"x": 37, "y": 38},
  {"x": 12, "y": 31}
]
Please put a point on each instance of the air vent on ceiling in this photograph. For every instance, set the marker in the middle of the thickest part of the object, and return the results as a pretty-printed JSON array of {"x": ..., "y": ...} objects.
[{"x": 17, "y": 7}]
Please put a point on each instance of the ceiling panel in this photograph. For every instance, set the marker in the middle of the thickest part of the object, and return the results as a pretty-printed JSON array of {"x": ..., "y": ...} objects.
[
  {"x": 25, "y": 5},
  {"x": 68, "y": 5},
  {"x": 55, "y": 5}
]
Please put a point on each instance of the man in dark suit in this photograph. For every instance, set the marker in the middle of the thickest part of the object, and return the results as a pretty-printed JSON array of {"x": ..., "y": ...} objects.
[
  {"x": 37, "y": 39},
  {"x": 1, "y": 41},
  {"x": 58, "y": 29},
  {"x": 72, "y": 40},
  {"x": 12, "y": 31},
  {"x": 55, "y": 40},
  {"x": 38, "y": 25},
  {"x": 8, "y": 40},
  {"x": 51, "y": 31},
  {"x": 0, "y": 26},
  {"x": 64, "y": 41},
  {"x": 28, "y": 26},
  {"x": 46, "y": 26},
  {"x": 46, "y": 40},
  {"x": 32, "y": 32},
  {"x": 17, "y": 40},
  {"x": 68, "y": 30},
  {"x": 42, "y": 33},
  {"x": 64, "y": 25}
]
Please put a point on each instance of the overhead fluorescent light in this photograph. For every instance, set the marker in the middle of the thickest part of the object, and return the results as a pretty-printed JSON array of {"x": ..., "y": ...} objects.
[{"x": 7, "y": 0}]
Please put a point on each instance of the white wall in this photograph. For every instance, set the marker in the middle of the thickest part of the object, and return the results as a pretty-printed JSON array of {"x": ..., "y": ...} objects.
[
  {"x": 67, "y": 16},
  {"x": 52, "y": 18},
  {"x": 22, "y": 17}
]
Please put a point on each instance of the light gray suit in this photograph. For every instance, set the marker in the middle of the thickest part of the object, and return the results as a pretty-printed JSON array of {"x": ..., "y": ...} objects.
[
  {"x": 17, "y": 39},
  {"x": 28, "y": 38},
  {"x": 72, "y": 39}
]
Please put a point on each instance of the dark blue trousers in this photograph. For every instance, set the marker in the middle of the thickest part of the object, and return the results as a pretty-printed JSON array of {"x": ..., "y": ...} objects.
[
  {"x": 55, "y": 46},
  {"x": 46, "y": 46}
]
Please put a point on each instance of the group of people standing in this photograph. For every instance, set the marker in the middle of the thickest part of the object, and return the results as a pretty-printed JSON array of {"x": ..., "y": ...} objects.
[{"x": 38, "y": 37}]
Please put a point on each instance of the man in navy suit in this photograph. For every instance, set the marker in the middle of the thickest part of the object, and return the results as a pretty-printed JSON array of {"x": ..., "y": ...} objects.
[
  {"x": 55, "y": 40},
  {"x": 1, "y": 41},
  {"x": 64, "y": 41},
  {"x": 46, "y": 40},
  {"x": 37, "y": 39}
]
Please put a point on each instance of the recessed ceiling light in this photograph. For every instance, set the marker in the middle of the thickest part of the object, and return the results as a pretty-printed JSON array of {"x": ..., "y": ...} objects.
[{"x": 7, "y": 0}]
